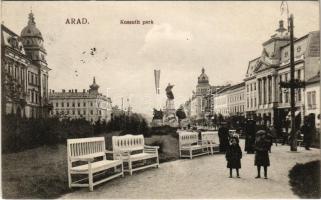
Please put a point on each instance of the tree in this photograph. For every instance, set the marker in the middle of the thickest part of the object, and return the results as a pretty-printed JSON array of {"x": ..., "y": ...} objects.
[{"x": 180, "y": 113}]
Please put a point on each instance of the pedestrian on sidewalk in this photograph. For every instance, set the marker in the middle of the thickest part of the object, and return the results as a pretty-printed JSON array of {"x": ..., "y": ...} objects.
[
  {"x": 306, "y": 129},
  {"x": 233, "y": 156},
  {"x": 250, "y": 129},
  {"x": 223, "y": 134},
  {"x": 262, "y": 145}
]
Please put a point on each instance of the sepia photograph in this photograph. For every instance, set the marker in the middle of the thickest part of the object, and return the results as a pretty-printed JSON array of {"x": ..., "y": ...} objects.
[{"x": 160, "y": 100}]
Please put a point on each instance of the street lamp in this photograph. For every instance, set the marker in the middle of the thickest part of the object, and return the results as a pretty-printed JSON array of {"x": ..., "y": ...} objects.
[{"x": 292, "y": 85}]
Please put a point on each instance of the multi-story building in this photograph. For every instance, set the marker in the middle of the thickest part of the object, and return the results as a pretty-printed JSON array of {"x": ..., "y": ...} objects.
[
  {"x": 236, "y": 100},
  {"x": 312, "y": 98},
  {"x": 24, "y": 72},
  {"x": 221, "y": 102},
  {"x": 90, "y": 104},
  {"x": 265, "y": 100},
  {"x": 202, "y": 89}
]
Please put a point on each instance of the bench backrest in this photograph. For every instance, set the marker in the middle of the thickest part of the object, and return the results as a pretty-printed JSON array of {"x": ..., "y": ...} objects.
[
  {"x": 187, "y": 138},
  {"x": 94, "y": 146},
  {"x": 128, "y": 143},
  {"x": 209, "y": 136}
]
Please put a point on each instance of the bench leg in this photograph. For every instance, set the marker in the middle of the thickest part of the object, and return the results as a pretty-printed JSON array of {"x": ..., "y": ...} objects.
[
  {"x": 90, "y": 178},
  {"x": 130, "y": 167},
  {"x": 122, "y": 169},
  {"x": 69, "y": 179}
]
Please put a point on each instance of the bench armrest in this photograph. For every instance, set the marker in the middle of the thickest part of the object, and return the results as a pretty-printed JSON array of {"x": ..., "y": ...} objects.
[
  {"x": 151, "y": 147},
  {"x": 83, "y": 158},
  {"x": 110, "y": 152}
]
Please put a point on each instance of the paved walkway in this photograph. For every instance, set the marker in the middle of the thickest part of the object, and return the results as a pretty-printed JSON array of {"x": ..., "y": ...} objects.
[{"x": 206, "y": 177}]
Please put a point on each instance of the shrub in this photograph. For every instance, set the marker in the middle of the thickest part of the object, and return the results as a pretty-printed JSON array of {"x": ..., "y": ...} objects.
[
  {"x": 305, "y": 179},
  {"x": 19, "y": 134}
]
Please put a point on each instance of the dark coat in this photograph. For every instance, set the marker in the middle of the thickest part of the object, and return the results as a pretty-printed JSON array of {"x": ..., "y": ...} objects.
[
  {"x": 223, "y": 134},
  {"x": 233, "y": 156},
  {"x": 250, "y": 130},
  {"x": 261, "y": 152},
  {"x": 307, "y": 133}
]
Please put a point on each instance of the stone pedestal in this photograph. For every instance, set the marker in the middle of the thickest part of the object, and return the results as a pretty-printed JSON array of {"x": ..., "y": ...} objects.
[{"x": 170, "y": 114}]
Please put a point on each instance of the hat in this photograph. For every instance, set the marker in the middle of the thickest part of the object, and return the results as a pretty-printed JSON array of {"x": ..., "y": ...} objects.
[{"x": 260, "y": 132}]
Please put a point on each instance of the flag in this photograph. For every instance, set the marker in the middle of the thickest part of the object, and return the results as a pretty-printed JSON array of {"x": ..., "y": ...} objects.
[{"x": 157, "y": 78}]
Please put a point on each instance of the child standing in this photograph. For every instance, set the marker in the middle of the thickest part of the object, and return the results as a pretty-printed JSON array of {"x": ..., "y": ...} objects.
[
  {"x": 233, "y": 156},
  {"x": 262, "y": 145}
]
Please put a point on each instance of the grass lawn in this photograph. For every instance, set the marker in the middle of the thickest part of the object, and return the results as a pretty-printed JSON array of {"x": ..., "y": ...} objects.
[{"x": 42, "y": 172}]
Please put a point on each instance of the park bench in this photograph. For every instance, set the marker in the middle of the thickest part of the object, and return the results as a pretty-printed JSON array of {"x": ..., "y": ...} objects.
[
  {"x": 208, "y": 138},
  {"x": 190, "y": 144},
  {"x": 135, "y": 153},
  {"x": 87, "y": 160}
]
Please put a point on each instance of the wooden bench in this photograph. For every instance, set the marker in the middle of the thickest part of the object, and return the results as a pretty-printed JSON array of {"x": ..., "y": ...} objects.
[
  {"x": 87, "y": 157},
  {"x": 189, "y": 142},
  {"x": 208, "y": 138},
  {"x": 132, "y": 148}
]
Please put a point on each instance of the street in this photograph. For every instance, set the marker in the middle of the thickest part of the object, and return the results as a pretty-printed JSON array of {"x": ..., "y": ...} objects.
[{"x": 206, "y": 177}]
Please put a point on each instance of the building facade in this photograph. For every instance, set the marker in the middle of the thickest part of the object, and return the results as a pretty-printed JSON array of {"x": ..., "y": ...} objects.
[
  {"x": 266, "y": 101},
  {"x": 198, "y": 99},
  {"x": 236, "y": 100},
  {"x": 90, "y": 104},
  {"x": 312, "y": 99},
  {"x": 24, "y": 72},
  {"x": 221, "y": 102}
]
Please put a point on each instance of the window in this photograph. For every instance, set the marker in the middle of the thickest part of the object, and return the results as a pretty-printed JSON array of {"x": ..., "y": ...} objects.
[
  {"x": 84, "y": 112},
  {"x": 91, "y": 112},
  {"x": 84, "y": 104},
  {"x": 73, "y": 112},
  {"x": 62, "y": 104},
  {"x": 79, "y": 112},
  {"x": 311, "y": 100},
  {"x": 247, "y": 88},
  {"x": 56, "y": 104},
  {"x": 67, "y": 104},
  {"x": 254, "y": 86},
  {"x": 78, "y": 104},
  {"x": 91, "y": 104},
  {"x": 299, "y": 74},
  {"x": 73, "y": 104}
]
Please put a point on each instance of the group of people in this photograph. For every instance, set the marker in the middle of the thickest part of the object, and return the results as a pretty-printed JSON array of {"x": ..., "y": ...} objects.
[
  {"x": 258, "y": 140},
  {"x": 233, "y": 153}
]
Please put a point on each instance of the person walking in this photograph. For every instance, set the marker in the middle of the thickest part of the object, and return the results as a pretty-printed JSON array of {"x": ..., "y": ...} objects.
[
  {"x": 307, "y": 136},
  {"x": 233, "y": 156},
  {"x": 261, "y": 153},
  {"x": 249, "y": 130},
  {"x": 223, "y": 134}
]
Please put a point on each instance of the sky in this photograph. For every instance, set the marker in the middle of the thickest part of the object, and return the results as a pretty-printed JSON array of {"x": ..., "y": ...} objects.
[{"x": 185, "y": 36}]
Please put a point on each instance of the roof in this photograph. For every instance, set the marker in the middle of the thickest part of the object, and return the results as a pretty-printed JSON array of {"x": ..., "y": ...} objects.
[
  {"x": 238, "y": 85},
  {"x": 314, "y": 79}
]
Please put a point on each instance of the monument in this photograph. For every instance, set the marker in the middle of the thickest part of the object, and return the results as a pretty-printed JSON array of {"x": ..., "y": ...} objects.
[{"x": 169, "y": 117}]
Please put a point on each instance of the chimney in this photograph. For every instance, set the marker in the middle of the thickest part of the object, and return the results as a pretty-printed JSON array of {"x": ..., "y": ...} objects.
[
  {"x": 63, "y": 90},
  {"x": 69, "y": 91},
  {"x": 75, "y": 90},
  {"x": 53, "y": 91},
  {"x": 72, "y": 91},
  {"x": 84, "y": 90}
]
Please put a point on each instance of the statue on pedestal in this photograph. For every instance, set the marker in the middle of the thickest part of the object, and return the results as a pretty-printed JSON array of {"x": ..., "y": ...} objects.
[{"x": 169, "y": 111}]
